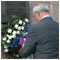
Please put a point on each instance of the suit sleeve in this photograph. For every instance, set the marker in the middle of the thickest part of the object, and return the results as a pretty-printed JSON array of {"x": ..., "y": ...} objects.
[{"x": 29, "y": 46}]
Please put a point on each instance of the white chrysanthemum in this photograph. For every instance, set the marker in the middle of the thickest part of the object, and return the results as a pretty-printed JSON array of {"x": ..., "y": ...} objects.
[
  {"x": 23, "y": 23},
  {"x": 19, "y": 28},
  {"x": 17, "y": 55},
  {"x": 18, "y": 32},
  {"x": 13, "y": 36},
  {"x": 16, "y": 26},
  {"x": 7, "y": 35},
  {"x": 4, "y": 39},
  {"x": 6, "y": 50},
  {"x": 5, "y": 46},
  {"x": 20, "y": 21},
  {"x": 9, "y": 30},
  {"x": 10, "y": 37},
  {"x": 22, "y": 27},
  {"x": 8, "y": 41},
  {"x": 26, "y": 20},
  {"x": 14, "y": 32}
]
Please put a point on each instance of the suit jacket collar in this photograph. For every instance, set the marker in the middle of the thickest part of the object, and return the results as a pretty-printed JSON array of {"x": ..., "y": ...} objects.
[{"x": 45, "y": 17}]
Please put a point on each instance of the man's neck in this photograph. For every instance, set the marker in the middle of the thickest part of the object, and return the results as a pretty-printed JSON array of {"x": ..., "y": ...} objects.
[{"x": 45, "y": 16}]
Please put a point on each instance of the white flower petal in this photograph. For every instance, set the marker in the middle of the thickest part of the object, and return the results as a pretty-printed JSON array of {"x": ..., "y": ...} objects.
[
  {"x": 13, "y": 36},
  {"x": 8, "y": 41},
  {"x": 6, "y": 50},
  {"x": 18, "y": 32},
  {"x": 16, "y": 26},
  {"x": 23, "y": 23},
  {"x": 9, "y": 30},
  {"x": 7, "y": 35},
  {"x": 22, "y": 27},
  {"x": 5, "y": 46},
  {"x": 14, "y": 32},
  {"x": 26, "y": 20},
  {"x": 19, "y": 28},
  {"x": 10, "y": 37},
  {"x": 17, "y": 55},
  {"x": 4, "y": 39},
  {"x": 20, "y": 21}
]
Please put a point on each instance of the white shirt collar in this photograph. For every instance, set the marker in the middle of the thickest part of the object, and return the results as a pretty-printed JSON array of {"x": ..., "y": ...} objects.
[{"x": 45, "y": 16}]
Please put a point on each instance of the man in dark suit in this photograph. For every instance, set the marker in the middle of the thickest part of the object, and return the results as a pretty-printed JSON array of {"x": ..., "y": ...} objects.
[{"x": 43, "y": 37}]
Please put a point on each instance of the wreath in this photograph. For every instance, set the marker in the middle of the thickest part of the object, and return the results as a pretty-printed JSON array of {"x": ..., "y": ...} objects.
[{"x": 14, "y": 36}]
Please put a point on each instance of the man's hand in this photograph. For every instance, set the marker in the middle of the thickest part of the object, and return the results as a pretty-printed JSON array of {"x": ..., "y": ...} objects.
[{"x": 22, "y": 46}]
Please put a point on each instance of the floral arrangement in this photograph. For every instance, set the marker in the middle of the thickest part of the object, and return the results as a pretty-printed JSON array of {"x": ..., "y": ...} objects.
[{"x": 14, "y": 36}]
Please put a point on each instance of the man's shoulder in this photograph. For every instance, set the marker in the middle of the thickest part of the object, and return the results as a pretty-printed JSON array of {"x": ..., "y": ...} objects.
[{"x": 36, "y": 26}]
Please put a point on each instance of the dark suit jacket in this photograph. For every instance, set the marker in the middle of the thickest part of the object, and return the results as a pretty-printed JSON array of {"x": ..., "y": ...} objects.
[{"x": 42, "y": 40}]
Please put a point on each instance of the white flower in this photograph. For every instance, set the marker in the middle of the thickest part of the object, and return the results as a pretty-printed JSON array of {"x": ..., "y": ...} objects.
[
  {"x": 4, "y": 39},
  {"x": 18, "y": 32},
  {"x": 26, "y": 20},
  {"x": 17, "y": 55},
  {"x": 6, "y": 50},
  {"x": 13, "y": 36},
  {"x": 7, "y": 35},
  {"x": 19, "y": 28},
  {"x": 22, "y": 27},
  {"x": 10, "y": 37},
  {"x": 9, "y": 30},
  {"x": 20, "y": 21},
  {"x": 14, "y": 32},
  {"x": 5, "y": 46},
  {"x": 16, "y": 26},
  {"x": 8, "y": 41},
  {"x": 23, "y": 23}
]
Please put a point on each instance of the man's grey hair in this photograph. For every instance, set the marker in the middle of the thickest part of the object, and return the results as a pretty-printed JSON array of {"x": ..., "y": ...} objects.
[{"x": 41, "y": 8}]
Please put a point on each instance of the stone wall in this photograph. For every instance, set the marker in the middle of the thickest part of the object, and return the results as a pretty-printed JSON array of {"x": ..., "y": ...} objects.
[{"x": 10, "y": 9}]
